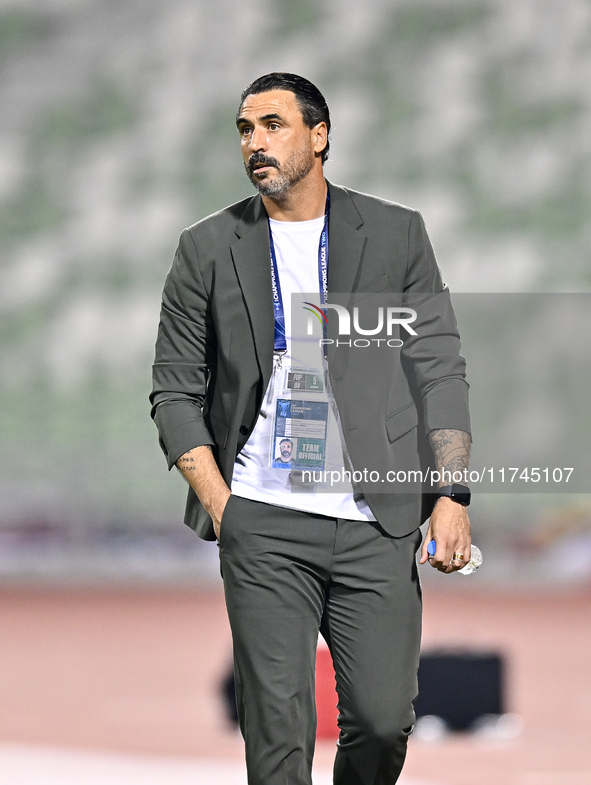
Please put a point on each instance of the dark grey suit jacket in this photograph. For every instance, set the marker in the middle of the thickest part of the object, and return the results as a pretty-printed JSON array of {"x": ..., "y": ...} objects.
[{"x": 214, "y": 350}]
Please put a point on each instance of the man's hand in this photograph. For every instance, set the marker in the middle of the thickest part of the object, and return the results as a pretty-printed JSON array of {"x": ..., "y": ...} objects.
[
  {"x": 200, "y": 470},
  {"x": 217, "y": 510},
  {"x": 449, "y": 526}
]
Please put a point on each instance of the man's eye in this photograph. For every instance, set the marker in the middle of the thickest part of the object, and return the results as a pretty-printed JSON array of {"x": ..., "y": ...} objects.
[
  {"x": 273, "y": 126},
  {"x": 245, "y": 131}
]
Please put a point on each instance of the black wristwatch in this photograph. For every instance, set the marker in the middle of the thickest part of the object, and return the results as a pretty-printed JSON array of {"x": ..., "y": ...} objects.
[{"x": 459, "y": 493}]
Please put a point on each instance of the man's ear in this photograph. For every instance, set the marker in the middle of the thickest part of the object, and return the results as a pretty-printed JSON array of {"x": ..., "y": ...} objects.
[{"x": 319, "y": 137}]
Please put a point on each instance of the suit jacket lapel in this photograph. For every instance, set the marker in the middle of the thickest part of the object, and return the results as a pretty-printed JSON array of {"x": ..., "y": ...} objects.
[
  {"x": 345, "y": 243},
  {"x": 345, "y": 252},
  {"x": 251, "y": 255}
]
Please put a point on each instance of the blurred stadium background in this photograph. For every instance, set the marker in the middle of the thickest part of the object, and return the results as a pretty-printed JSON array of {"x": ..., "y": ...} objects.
[{"x": 116, "y": 132}]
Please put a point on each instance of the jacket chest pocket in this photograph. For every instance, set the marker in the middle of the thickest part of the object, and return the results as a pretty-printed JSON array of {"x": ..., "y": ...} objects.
[{"x": 402, "y": 421}]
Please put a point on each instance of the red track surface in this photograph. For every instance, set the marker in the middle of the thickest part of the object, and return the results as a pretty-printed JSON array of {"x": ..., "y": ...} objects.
[{"x": 138, "y": 671}]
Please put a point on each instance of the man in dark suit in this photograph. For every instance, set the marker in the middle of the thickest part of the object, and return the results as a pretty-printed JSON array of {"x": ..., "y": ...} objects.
[{"x": 295, "y": 560}]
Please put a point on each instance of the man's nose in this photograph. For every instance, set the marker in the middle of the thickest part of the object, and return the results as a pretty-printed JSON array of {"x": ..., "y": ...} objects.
[{"x": 258, "y": 140}]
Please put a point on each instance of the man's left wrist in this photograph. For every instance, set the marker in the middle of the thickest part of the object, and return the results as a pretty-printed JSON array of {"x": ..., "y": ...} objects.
[{"x": 456, "y": 492}]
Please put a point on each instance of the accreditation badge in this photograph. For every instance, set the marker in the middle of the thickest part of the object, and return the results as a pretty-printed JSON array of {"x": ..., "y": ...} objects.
[{"x": 300, "y": 422}]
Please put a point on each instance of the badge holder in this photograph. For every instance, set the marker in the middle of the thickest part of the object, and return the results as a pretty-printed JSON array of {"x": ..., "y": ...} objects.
[{"x": 300, "y": 425}]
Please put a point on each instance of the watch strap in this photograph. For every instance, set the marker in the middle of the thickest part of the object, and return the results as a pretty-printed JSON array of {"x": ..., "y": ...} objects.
[{"x": 458, "y": 493}]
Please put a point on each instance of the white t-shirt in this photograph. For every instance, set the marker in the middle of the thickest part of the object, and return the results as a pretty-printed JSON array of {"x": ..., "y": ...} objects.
[{"x": 262, "y": 472}]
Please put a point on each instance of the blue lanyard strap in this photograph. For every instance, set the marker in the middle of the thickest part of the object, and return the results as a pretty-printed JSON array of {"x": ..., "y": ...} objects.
[{"x": 279, "y": 340}]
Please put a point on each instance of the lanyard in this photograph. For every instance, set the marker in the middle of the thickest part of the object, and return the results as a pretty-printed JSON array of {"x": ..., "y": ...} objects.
[{"x": 280, "y": 340}]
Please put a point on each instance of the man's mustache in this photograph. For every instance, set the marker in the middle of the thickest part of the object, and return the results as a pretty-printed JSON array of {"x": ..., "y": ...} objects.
[{"x": 258, "y": 159}]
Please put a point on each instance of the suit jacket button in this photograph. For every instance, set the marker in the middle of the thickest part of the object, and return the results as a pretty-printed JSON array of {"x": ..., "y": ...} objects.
[{"x": 243, "y": 430}]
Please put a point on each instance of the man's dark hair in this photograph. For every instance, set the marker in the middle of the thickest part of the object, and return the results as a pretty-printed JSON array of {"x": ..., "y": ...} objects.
[{"x": 310, "y": 100}]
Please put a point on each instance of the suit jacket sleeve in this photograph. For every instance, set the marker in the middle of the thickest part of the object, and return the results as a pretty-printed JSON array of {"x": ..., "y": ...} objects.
[
  {"x": 185, "y": 356},
  {"x": 433, "y": 355}
]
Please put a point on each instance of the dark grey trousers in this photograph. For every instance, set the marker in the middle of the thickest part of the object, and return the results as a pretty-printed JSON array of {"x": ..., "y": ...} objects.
[{"x": 289, "y": 574}]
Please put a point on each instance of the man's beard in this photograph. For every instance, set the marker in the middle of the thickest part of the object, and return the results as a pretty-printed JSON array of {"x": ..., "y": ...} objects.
[{"x": 297, "y": 166}]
